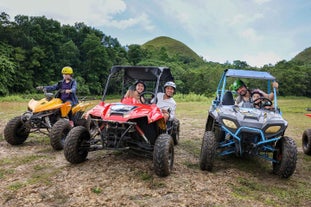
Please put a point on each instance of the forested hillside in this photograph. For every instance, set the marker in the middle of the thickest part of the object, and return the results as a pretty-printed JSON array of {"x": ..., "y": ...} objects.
[
  {"x": 33, "y": 51},
  {"x": 304, "y": 56}
]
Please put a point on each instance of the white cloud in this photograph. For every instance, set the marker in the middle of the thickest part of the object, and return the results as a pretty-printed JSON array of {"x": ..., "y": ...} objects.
[
  {"x": 261, "y": 1},
  {"x": 251, "y": 35},
  {"x": 262, "y": 58},
  {"x": 241, "y": 19},
  {"x": 141, "y": 20}
]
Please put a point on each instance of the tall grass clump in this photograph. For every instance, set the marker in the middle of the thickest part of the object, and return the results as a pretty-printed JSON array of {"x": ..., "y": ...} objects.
[
  {"x": 12, "y": 98},
  {"x": 191, "y": 97}
]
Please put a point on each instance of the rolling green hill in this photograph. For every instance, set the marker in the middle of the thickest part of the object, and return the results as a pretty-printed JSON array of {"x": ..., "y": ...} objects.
[
  {"x": 304, "y": 56},
  {"x": 173, "y": 47}
]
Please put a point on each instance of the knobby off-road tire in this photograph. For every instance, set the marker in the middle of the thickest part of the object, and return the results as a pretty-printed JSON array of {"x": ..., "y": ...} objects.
[
  {"x": 77, "y": 145},
  {"x": 219, "y": 134},
  {"x": 163, "y": 155},
  {"x": 15, "y": 132},
  {"x": 89, "y": 125},
  {"x": 175, "y": 133},
  {"x": 306, "y": 141},
  {"x": 59, "y": 133},
  {"x": 208, "y": 151},
  {"x": 286, "y": 155}
]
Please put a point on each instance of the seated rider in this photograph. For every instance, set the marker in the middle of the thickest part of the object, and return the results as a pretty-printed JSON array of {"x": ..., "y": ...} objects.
[
  {"x": 244, "y": 94},
  {"x": 166, "y": 102},
  {"x": 67, "y": 88},
  {"x": 135, "y": 94},
  {"x": 258, "y": 101}
]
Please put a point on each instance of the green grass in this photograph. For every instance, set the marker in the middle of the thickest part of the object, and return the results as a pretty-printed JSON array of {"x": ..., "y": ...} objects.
[
  {"x": 96, "y": 190},
  {"x": 262, "y": 185},
  {"x": 16, "y": 186},
  {"x": 20, "y": 160},
  {"x": 191, "y": 98},
  {"x": 254, "y": 182}
]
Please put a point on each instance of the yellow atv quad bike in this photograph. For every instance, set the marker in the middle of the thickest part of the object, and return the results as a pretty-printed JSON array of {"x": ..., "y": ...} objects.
[{"x": 48, "y": 116}]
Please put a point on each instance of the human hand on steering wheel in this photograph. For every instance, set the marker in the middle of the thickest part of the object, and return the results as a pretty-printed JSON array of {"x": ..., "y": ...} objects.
[
  {"x": 147, "y": 97},
  {"x": 262, "y": 102}
]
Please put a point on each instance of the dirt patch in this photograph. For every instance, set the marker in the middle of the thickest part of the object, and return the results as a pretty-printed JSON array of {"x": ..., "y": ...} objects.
[{"x": 34, "y": 175}]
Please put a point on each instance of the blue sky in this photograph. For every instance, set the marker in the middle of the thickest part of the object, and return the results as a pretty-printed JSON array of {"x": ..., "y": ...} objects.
[{"x": 256, "y": 31}]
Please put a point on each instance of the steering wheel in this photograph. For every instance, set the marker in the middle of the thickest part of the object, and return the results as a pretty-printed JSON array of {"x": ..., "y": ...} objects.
[
  {"x": 262, "y": 102},
  {"x": 147, "y": 97}
]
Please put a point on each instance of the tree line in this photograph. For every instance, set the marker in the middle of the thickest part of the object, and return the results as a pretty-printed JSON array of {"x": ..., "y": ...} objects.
[{"x": 33, "y": 50}]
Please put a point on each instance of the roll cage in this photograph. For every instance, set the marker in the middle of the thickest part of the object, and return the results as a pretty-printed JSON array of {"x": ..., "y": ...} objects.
[
  {"x": 245, "y": 74},
  {"x": 156, "y": 75}
]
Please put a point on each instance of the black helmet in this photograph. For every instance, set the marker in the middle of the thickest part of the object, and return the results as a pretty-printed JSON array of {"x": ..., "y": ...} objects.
[{"x": 140, "y": 81}]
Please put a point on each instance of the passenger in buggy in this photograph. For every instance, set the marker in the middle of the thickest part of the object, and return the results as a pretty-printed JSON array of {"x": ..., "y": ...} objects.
[
  {"x": 134, "y": 92},
  {"x": 244, "y": 93},
  {"x": 259, "y": 100},
  {"x": 166, "y": 102}
]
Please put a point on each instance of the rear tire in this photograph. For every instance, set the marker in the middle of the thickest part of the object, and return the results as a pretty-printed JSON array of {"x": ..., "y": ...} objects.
[
  {"x": 286, "y": 155},
  {"x": 306, "y": 141},
  {"x": 15, "y": 132},
  {"x": 59, "y": 133},
  {"x": 163, "y": 155},
  {"x": 208, "y": 151},
  {"x": 175, "y": 133},
  {"x": 77, "y": 145}
]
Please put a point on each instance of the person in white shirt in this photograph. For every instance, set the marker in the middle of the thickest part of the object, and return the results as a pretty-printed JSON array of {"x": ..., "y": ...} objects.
[{"x": 166, "y": 102}]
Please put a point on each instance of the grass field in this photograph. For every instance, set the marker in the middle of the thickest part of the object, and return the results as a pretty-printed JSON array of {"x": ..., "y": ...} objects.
[{"x": 34, "y": 175}]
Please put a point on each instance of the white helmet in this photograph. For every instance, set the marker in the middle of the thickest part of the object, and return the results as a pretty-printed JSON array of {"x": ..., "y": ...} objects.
[{"x": 170, "y": 83}]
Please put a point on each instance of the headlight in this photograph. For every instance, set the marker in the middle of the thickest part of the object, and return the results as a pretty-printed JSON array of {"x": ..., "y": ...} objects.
[
  {"x": 229, "y": 123},
  {"x": 272, "y": 129}
]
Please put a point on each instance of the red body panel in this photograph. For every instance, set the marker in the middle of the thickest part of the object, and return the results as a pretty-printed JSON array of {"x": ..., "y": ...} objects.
[
  {"x": 135, "y": 110},
  {"x": 309, "y": 115}
]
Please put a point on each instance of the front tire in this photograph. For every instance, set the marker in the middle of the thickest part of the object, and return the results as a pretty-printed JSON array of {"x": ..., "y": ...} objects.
[
  {"x": 15, "y": 132},
  {"x": 163, "y": 155},
  {"x": 306, "y": 141},
  {"x": 59, "y": 133},
  {"x": 286, "y": 157},
  {"x": 208, "y": 151},
  {"x": 77, "y": 145}
]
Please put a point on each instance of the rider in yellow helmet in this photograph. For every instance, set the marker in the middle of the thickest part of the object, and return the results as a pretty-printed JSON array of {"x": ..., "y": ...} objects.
[
  {"x": 67, "y": 70},
  {"x": 67, "y": 87}
]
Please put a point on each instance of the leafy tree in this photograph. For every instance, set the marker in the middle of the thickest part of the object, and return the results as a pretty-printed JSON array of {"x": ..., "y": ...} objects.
[
  {"x": 135, "y": 54},
  {"x": 68, "y": 54},
  {"x": 7, "y": 72},
  {"x": 240, "y": 64},
  {"x": 7, "y": 69},
  {"x": 96, "y": 65},
  {"x": 34, "y": 49}
]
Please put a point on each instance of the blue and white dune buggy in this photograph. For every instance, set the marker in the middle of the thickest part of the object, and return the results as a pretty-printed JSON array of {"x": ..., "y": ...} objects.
[{"x": 250, "y": 131}]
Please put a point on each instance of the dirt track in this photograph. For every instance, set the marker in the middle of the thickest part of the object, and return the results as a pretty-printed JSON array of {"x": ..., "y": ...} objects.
[{"x": 35, "y": 175}]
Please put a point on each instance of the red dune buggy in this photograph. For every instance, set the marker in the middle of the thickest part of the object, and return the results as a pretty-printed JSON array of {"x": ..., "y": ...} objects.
[{"x": 128, "y": 125}]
